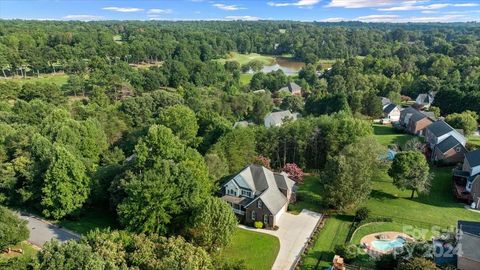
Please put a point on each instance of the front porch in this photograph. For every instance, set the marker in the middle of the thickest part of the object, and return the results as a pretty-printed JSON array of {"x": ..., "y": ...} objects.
[{"x": 237, "y": 203}]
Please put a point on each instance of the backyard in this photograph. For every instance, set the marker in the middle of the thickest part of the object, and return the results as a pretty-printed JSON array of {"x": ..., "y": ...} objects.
[
  {"x": 256, "y": 250},
  {"x": 427, "y": 212},
  {"x": 58, "y": 79}
]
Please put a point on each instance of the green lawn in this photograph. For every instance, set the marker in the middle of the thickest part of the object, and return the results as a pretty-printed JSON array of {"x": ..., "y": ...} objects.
[
  {"x": 28, "y": 251},
  {"x": 245, "y": 58},
  {"x": 333, "y": 233},
  {"x": 308, "y": 196},
  {"x": 257, "y": 250},
  {"x": 475, "y": 140},
  {"x": 386, "y": 135},
  {"x": 245, "y": 78},
  {"x": 92, "y": 219},
  {"x": 58, "y": 79}
]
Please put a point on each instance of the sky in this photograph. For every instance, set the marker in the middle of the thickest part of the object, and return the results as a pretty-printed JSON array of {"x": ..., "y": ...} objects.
[{"x": 298, "y": 10}]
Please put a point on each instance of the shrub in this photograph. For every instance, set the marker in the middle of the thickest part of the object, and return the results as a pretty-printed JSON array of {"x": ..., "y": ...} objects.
[
  {"x": 348, "y": 253},
  {"x": 386, "y": 262},
  {"x": 294, "y": 172},
  {"x": 258, "y": 224},
  {"x": 362, "y": 213}
]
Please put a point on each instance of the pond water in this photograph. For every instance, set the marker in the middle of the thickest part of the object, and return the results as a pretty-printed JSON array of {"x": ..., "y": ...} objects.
[{"x": 287, "y": 65}]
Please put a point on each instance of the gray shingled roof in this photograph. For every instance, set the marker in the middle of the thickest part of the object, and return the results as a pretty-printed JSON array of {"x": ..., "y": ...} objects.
[
  {"x": 448, "y": 144},
  {"x": 277, "y": 117},
  {"x": 440, "y": 128},
  {"x": 389, "y": 108},
  {"x": 425, "y": 98},
  {"x": 266, "y": 182},
  {"x": 469, "y": 239},
  {"x": 473, "y": 158}
]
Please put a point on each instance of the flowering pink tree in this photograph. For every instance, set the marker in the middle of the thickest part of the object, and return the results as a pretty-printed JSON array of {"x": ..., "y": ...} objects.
[
  {"x": 294, "y": 172},
  {"x": 261, "y": 160}
]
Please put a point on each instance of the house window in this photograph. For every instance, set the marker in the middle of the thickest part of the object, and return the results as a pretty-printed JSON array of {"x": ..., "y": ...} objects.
[
  {"x": 265, "y": 219},
  {"x": 259, "y": 204},
  {"x": 246, "y": 193},
  {"x": 254, "y": 215}
]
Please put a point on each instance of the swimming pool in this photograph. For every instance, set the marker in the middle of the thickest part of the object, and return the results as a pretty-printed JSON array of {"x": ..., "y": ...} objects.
[{"x": 388, "y": 245}]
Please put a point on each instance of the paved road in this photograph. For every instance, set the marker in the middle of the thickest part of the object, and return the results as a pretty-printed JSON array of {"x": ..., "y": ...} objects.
[
  {"x": 293, "y": 233},
  {"x": 42, "y": 231}
]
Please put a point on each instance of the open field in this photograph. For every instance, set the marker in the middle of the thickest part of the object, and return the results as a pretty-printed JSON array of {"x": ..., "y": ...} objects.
[
  {"x": 474, "y": 140},
  {"x": 245, "y": 78},
  {"x": 58, "y": 79},
  {"x": 245, "y": 58},
  {"x": 257, "y": 250}
]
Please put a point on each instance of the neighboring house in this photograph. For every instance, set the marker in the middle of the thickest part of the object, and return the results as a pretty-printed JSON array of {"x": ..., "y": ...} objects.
[
  {"x": 292, "y": 88},
  {"x": 391, "y": 113},
  {"x": 276, "y": 119},
  {"x": 258, "y": 194},
  {"x": 446, "y": 143},
  {"x": 385, "y": 101},
  {"x": 425, "y": 100},
  {"x": 466, "y": 179},
  {"x": 468, "y": 244},
  {"x": 415, "y": 121},
  {"x": 241, "y": 124}
]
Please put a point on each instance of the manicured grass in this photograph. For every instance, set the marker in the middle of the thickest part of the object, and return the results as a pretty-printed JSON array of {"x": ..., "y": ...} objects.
[
  {"x": 245, "y": 58},
  {"x": 245, "y": 78},
  {"x": 28, "y": 251},
  {"x": 308, "y": 196},
  {"x": 333, "y": 233},
  {"x": 257, "y": 250},
  {"x": 92, "y": 219},
  {"x": 386, "y": 135},
  {"x": 58, "y": 79}
]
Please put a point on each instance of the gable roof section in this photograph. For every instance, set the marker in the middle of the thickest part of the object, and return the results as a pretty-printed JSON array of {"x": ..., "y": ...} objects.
[
  {"x": 448, "y": 144},
  {"x": 473, "y": 158},
  {"x": 277, "y": 117},
  {"x": 389, "y": 108},
  {"x": 293, "y": 87},
  {"x": 470, "y": 227},
  {"x": 440, "y": 128},
  {"x": 283, "y": 182},
  {"x": 424, "y": 99}
]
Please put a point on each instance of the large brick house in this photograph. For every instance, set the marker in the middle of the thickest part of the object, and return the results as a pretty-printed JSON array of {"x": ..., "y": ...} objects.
[
  {"x": 258, "y": 194},
  {"x": 415, "y": 121},
  {"x": 447, "y": 145},
  {"x": 466, "y": 179}
]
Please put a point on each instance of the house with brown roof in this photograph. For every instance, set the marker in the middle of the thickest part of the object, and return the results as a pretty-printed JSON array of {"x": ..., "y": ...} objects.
[
  {"x": 415, "y": 121},
  {"x": 447, "y": 145},
  {"x": 258, "y": 194}
]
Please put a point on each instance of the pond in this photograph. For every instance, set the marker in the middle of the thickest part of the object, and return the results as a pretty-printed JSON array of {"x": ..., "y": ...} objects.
[{"x": 287, "y": 65}]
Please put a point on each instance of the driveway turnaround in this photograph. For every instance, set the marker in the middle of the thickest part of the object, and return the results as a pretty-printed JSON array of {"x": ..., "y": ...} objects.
[
  {"x": 293, "y": 232},
  {"x": 42, "y": 231}
]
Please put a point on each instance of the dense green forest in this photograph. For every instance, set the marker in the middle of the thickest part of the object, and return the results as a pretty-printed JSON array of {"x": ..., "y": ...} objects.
[{"x": 151, "y": 146}]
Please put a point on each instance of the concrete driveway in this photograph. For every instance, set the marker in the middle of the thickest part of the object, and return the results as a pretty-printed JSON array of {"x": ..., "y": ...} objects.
[
  {"x": 294, "y": 232},
  {"x": 42, "y": 231}
]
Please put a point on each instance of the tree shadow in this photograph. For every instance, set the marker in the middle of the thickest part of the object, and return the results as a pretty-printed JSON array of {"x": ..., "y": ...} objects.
[{"x": 380, "y": 195}]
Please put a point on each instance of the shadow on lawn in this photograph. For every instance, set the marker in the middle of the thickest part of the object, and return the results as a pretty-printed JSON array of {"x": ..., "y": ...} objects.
[{"x": 380, "y": 195}]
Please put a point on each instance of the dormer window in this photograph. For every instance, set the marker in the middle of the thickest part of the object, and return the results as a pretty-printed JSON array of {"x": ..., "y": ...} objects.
[{"x": 259, "y": 204}]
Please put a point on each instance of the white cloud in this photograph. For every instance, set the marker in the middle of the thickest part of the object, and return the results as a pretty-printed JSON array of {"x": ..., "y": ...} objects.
[
  {"x": 364, "y": 3},
  {"x": 429, "y": 11},
  {"x": 228, "y": 7},
  {"x": 159, "y": 11},
  {"x": 334, "y": 19},
  {"x": 82, "y": 17},
  {"x": 123, "y": 9},
  {"x": 299, "y": 3},
  {"x": 243, "y": 18},
  {"x": 427, "y": 7},
  {"x": 414, "y": 19}
]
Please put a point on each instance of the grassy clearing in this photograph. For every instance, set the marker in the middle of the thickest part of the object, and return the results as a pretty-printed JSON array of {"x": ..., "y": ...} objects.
[
  {"x": 257, "y": 250},
  {"x": 386, "y": 135},
  {"x": 474, "y": 140},
  {"x": 28, "y": 251},
  {"x": 92, "y": 219},
  {"x": 245, "y": 78},
  {"x": 245, "y": 58},
  {"x": 308, "y": 196},
  {"x": 333, "y": 233},
  {"x": 58, "y": 79}
]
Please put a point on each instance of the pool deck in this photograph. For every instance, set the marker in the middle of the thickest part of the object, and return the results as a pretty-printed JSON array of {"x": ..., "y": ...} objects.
[{"x": 368, "y": 239}]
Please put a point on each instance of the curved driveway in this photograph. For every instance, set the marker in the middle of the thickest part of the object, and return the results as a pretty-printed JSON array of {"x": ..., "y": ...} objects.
[
  {"x": 42, "y": 231},
  {"x": 294, "y": 231}
]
